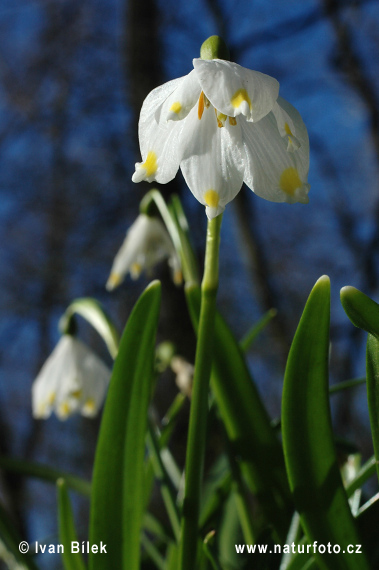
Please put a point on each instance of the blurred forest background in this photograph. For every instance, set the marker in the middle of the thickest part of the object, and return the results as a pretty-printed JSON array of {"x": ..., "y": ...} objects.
[{"x": 73, "y": 75}]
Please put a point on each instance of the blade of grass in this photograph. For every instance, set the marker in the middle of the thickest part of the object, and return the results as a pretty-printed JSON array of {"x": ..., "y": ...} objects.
[
  {"x": 45, "y": 473},
  {"x": 347, "y": 384},
  {"x": 365, "y": 472},
  {"x": 252, "y": 334},
  {"x": 165, "y": 484},
  {"x": 311, "y": 460}
]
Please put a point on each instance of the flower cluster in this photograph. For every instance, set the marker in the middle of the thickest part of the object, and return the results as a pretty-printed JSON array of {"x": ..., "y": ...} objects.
[{"x": 224, "y": 125}]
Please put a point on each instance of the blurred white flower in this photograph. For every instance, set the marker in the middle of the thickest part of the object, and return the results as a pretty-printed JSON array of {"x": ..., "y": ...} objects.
[
  {"x": 224, "y": 125},
  {"x": 184, "y": 374},
  {"x": 73, "y": 379},
  {"x": 147, "y": 242}
]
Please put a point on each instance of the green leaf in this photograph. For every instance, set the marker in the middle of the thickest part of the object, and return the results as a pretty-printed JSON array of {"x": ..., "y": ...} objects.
[
  {"x": 11, "y": 539},
  {"x": 365, "y": 472},
  {"x": 209, "y": 551},
  {"x": 255, "y": 330},
  {"x": 177, "y": 226},
  {"x": 45, "y": 473},
  {"x": 346, "y": 384},
  {"x": 92, "y": 311},
  {"x": 67, "y": 532},
  {"x": 247, "y": 423},
  {"x": 372, "y": 374},
  {"x": 153, "y": 552},
  {"x": 190, "y": 265},
  {"x": 367, "y": 521},
  {"x": 118, "y": 481},
  {"x": 164, "y": 481},
  {"x": 310, "y": 455},
  {"x": 361, "y": 310}
]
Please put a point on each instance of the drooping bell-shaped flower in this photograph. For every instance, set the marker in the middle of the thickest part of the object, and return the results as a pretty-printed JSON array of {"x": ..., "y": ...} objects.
[
  {"x": 147, "y": 243},
  {"x": 224, "y": 125},
  {"x": 73, "y": 379}
]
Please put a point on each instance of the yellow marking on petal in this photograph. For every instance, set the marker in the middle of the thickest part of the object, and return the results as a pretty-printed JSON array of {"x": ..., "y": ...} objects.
[
  {"x": 287, "y": 129},
  {"x": 114, "y": 281},
  {"x": 200, "y": 109},
  {"x": 176, "y": 107},
  {"x": 135, "y": 270},
  {"x": 178, "y": 277},
  {"x": 41, "y": 410},
  {"x": 150, "y": 164},
  {"x": 64, "y": 409},
  {"x": 232, "y": 121},
  {"x": 211, "y": 198},
  {"x": 76, "y": 394},
  {"x": 290, "y": 181},
  {"x": 90, "y": 406},
  {"x": 51, "y": 399},
  {"x": 239, "y": 97}
]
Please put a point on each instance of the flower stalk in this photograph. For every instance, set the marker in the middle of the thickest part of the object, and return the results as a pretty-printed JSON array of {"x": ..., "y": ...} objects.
[{"x": 199, "y": 403}]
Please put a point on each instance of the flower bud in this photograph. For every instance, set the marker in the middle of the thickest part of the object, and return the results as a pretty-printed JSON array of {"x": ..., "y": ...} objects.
[{"x": 214, "y": 48}]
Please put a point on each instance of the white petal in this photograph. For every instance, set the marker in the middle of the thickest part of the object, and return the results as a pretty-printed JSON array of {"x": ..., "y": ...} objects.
[
  {"x": 212, "y": 164},
  {"x": 233, "y": 89},
  {"x": 95, "y": 380},
  {"x": 271, "y": 172},
  {"x": 152, "y": 105},
  {"x": 158, "y": 139},
  {"x": 46, "y": 386},
  {"x": 182, "y": 100},
  {"x": 286, "y": 126}
]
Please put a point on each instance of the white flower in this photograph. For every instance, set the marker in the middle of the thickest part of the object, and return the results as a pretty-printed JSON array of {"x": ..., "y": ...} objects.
[
  {"x": 184, "y": 374},
  {"x": 73, "y": 379},
  {"x": 224, "y": 125},
  {"x": 147, "y": 242}
]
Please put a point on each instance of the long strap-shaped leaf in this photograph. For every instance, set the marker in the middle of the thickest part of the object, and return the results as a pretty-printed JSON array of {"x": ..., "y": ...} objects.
[
  {"x": 247, "y": 422},
  {"x": 309, "y": 450},
  {"x": 364, "y": 313},
  {"x": 12, "y": 541},
  {"x": 72, "y": 557},
  {"x": 372, "y": 374},
  {"x": 118, "y": 481}
]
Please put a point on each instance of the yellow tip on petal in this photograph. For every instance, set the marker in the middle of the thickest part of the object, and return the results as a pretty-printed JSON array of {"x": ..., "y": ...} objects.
[
  {"x": 178, "y": 277},
  {"x": 150, "y": 164},
  {"x": 64, "y": 410},
  {"x": 176, "y": 107},
  {"x": 135, "y": 270},
  {"x": 239, "y": 98},
  {"x": 211, "y": 198},
  {"x": 290, "y": 181},
  {"x": 113, "y": 281},
  {"x": 89, "y": 407}
]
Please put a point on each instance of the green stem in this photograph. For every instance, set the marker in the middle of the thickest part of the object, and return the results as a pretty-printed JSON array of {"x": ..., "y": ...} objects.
[{"x": 199, "y": 401}]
